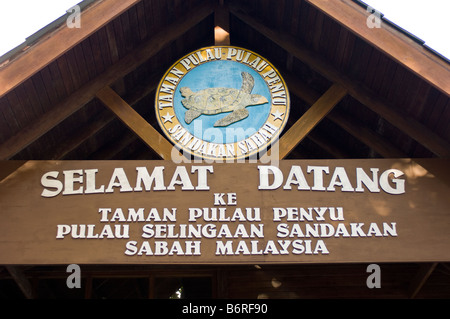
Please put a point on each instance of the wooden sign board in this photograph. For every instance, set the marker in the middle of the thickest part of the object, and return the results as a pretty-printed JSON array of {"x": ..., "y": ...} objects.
[{"x": 158, "y": 212}]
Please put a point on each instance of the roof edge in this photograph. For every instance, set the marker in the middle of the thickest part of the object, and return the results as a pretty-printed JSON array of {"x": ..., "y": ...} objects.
[
  {"x": 36, "y": 36},
  {"x": 27, "y": 63},
  {"x": 400, "y": 47},
  {"x": 402, "y": 30}
]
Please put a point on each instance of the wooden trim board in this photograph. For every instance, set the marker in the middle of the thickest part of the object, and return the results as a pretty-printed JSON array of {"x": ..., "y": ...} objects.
[
  {"x": 49, "y": 49},
  {"x": 390, "y": 41}
]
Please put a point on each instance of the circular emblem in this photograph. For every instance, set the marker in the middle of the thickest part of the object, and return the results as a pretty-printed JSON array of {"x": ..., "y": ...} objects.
[{"x": 222, "y": 102}]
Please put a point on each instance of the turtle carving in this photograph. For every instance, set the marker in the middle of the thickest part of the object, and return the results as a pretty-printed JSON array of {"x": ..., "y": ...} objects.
[{"x": 221, "y": 100}]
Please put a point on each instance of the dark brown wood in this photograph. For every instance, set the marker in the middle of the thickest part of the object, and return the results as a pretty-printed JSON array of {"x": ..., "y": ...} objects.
[
  {"x": 103, "y": 120},
  {"x": 82, "y": 96},
  {"x": 23, "y": 282},
  {"x": 367, "y": 136},
  {"x": 44, "y": 52},
  {"x": 334, "y": 150},
  {"x": 319, "y": 281},
  {"x": 9, "y": 168},
  {"x": 310, "y": 119},
  {"x": 360, "y": 132},
  {"x": 420, "y": 279},
  {"x": 389, "y": 40},
  {"x": 407, "y": 124},
  {"x": 71, "y": 144},
  {"x": 352, "y": 55},
  {"x": 112, "y": 151},
  {"x": 88, "y": 288},
  {"x": 135, "y": 122},
  {"x": 422, "y": 223},
  {"x": 151, "y": 286},
  {"x": 222, "y": 24}
]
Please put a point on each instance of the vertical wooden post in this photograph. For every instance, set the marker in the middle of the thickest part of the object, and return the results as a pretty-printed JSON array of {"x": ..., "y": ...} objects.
[
  {"x": 151, "y": 287},
  {"x": 222, "y": 24},
  {"x": 88, "y": 288}
]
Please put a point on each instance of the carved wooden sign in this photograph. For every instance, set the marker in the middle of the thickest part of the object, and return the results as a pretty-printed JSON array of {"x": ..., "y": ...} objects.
[{"x": 148, "y": 212}]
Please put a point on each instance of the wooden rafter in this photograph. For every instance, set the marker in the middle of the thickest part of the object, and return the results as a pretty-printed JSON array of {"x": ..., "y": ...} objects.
[
  {"x": 112, "y": 151},
  {"x": 222, "y": 24},
  {"x": 388, "y": 40},
  {"x": 420, "y": 279},
  {"x": 324, "y": 143},
  {"x": 106, "y": 117},
  {"x": 21, "y": 281},
  {"x": 9, "y": 167},
  {"x": 304, "y": 125},
  {"x": 408, "y": 125},
  {"x": 114, "y": 99},
  {"x": 362, "y": 133},
  {"x": 367, "y": 136},
  {"x": 135, "y": 122},
  {"x": 90, "y": 129},
  {"x": 87, "y": 92},
  {"x": 46, "y": 51}
]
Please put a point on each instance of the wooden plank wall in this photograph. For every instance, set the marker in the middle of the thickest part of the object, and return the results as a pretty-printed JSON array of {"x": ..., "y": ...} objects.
[
  {"x": 84, "y": 62},
  {"x": 356, "y": 58}
]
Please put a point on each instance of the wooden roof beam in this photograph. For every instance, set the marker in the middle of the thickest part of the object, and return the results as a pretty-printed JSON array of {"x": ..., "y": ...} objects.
[
  {"x": 106, "y": 117},
  {"x": 17, "y": 275},
  {"x": 53, "y": 46},
  {"x": 305, "y": 124},
  {"x": 327, "y": 146},
  {"x": 367, "y": 136},
  {"x": 389, "y": 40},
  {"x": 74, "y": 141},
  {"x": 408, "y": 125},
  {"x": 420, "y": 279},
  {"x": 362, "y": 133},
  {"x": 21, "y": 281},
  {"x": 110, "y": 152},
  {"x": 222, "y": 23},
  {"x": 135, "y": 122},
  {"x": 87, "y": 92}
]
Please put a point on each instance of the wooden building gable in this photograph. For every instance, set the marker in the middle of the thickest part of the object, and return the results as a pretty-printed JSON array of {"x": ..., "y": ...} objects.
[{"x": 356, "y": 92}]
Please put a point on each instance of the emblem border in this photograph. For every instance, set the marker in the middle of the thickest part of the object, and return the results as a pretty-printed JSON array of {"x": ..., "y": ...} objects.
[{"x": 259, "y": 149}]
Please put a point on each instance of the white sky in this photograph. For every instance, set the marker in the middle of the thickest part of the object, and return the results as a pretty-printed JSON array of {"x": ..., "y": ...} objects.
[
  {"x": 21, "y": 18},
  {"x": 427, "y": 19}
]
